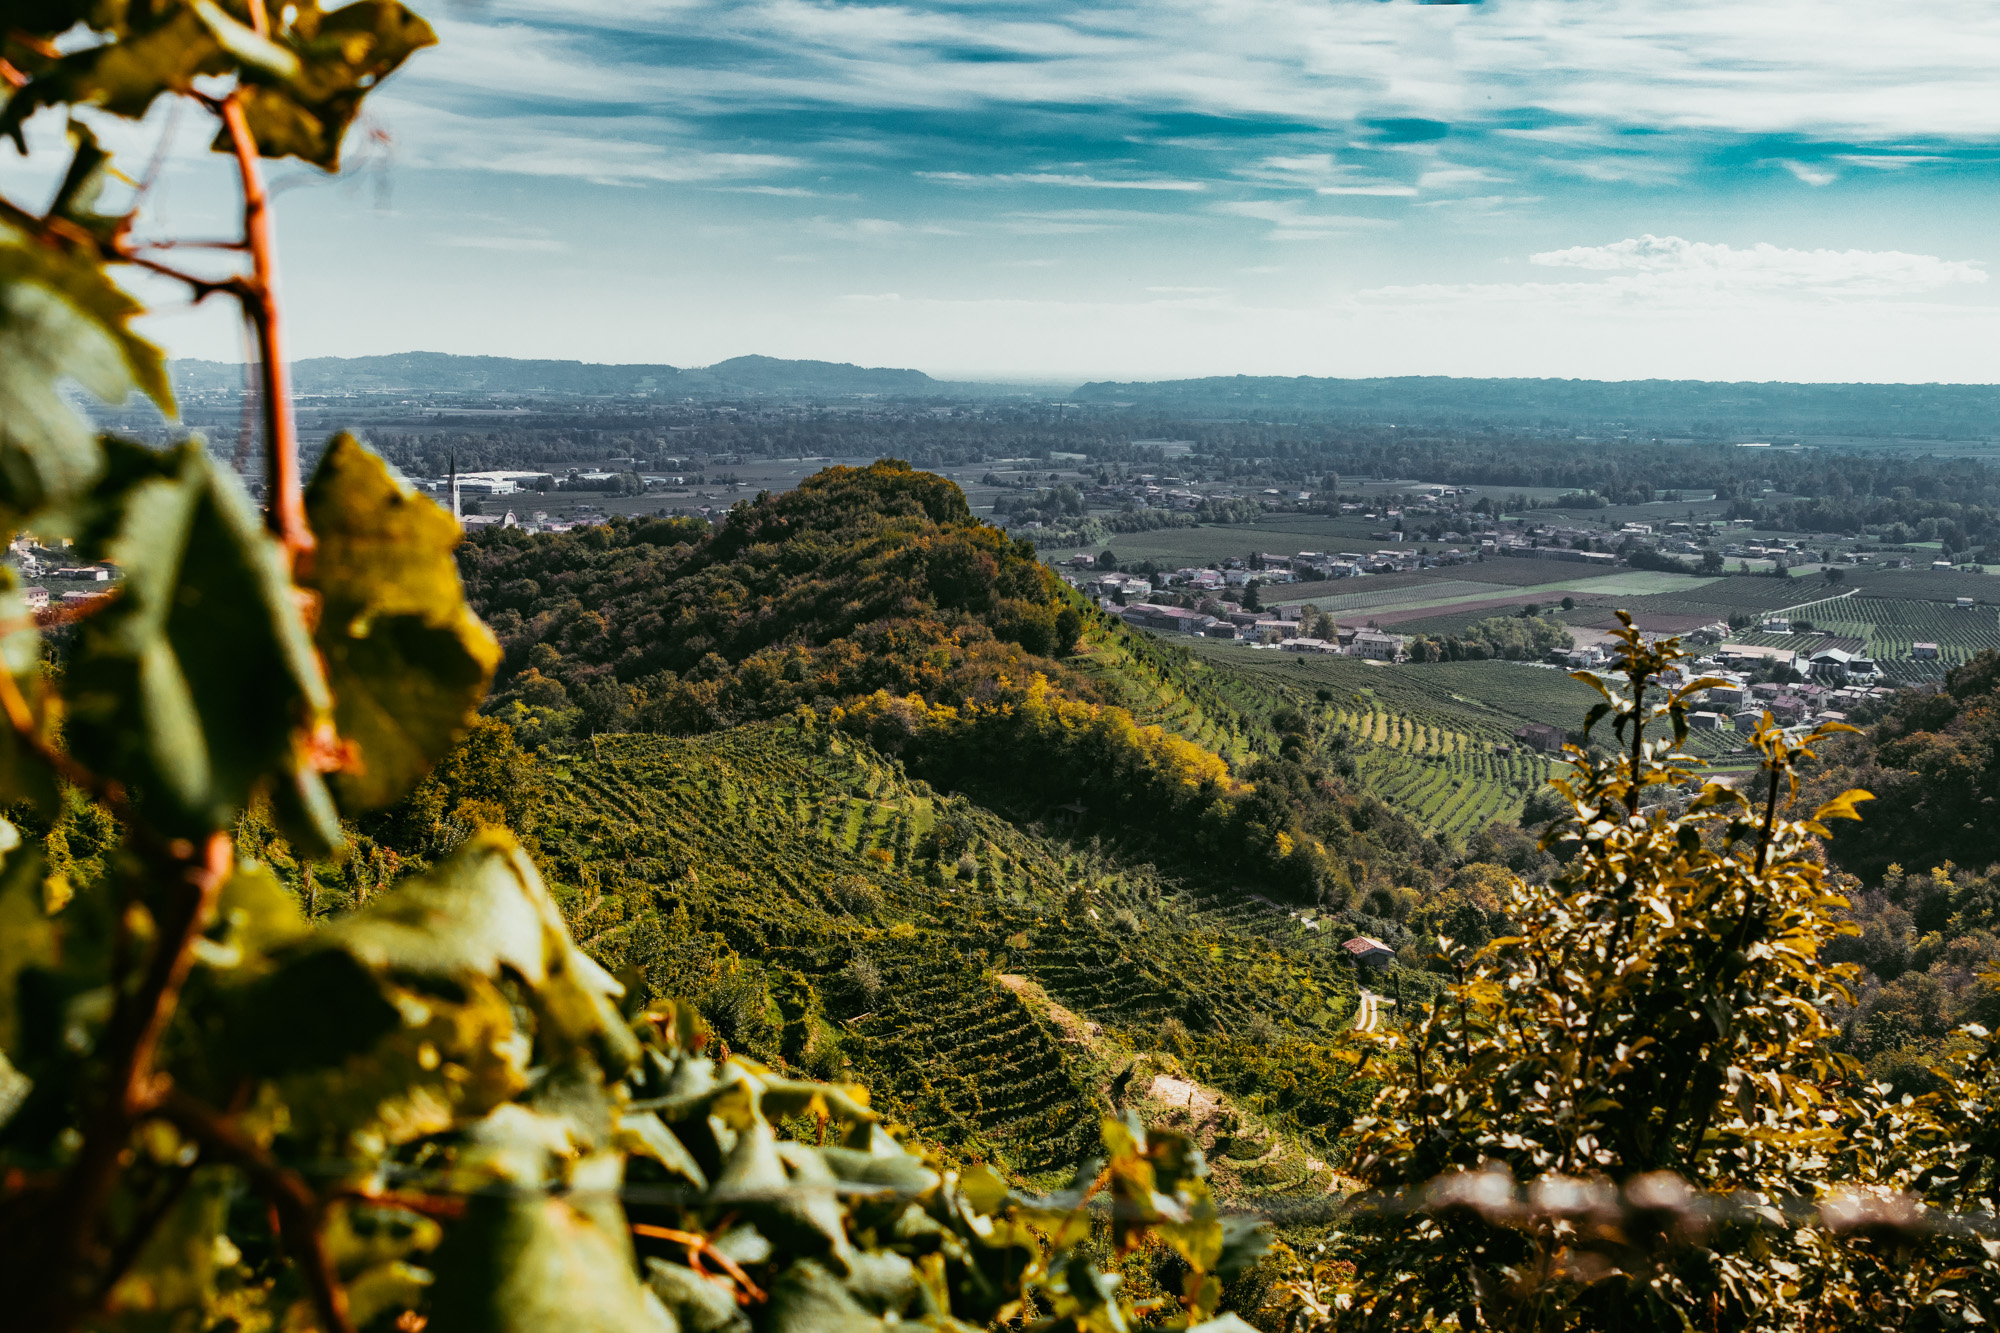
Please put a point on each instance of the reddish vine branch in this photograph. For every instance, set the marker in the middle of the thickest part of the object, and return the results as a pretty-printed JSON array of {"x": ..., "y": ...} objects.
[
  {"x": 285, "y": 500},
  {"x": 297, "y": 1207},
  {"x": 132, "y": 1087}
]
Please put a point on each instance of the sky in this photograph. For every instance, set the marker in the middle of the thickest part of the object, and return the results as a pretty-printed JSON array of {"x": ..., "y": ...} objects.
[{"x": 1011, "y": 189}]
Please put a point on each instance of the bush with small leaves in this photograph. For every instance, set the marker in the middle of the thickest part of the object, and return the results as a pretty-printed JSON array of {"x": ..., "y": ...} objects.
[{"x": 1632, "y": 1112}]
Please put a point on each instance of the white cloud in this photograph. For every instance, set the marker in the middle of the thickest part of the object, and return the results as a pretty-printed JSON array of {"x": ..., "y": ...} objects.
[
  {"x": 1807, "y": 172},
  {"x": 1668, "y": 272},
  {"x": 1445, "y": 176},
  {"x": 1888, "y": 161},
  {"x": 1291, "y": 221},
  {"x": 1383, "y": 189},
  {"x": 1863, "y": 272},
  {"x": 1853, "y": 69},
  {"x": 1059, "y": 178}
]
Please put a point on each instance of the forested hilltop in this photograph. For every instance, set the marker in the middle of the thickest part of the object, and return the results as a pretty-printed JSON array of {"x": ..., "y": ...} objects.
[{"x": 872, "y": 598}]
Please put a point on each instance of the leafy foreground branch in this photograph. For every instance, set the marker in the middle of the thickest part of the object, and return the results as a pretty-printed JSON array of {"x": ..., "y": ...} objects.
[
  {"x": 1631, "y": 1113},
  {"x": 439, "y": 1106}
]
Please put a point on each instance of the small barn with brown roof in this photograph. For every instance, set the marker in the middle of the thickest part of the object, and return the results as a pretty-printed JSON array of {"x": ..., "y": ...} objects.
[{"x": 1369, "y": 952}]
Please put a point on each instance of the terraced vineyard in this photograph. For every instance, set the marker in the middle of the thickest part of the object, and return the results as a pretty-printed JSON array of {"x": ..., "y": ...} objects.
[
  {"x": 1163, "y": 684},
  {"x": 885, "y": 919},
  {"x": 1425, "y": 737}
]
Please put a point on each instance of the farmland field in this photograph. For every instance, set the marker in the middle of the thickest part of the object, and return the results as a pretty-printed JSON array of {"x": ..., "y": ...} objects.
[
  {"x": 1285, "y": 535},
  {"x": 1924, "y": 584},
  {"x": 1888, "y": 626},
  {"x": 1364, "y": 596}
]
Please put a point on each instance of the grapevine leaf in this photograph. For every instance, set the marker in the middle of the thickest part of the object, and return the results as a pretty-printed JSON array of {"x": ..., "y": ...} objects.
[
  {"x": 123, "y": 76},
  {"x": 23, "y": 775},
  {"x": 483, "y": 912},
  {"x": 61, "y": 317},
  {"x": 408, "y": 660},
  {"x": 27, "y": 939},
  {"x": 195, "y": 684},
  {"x": 177, "y": 1271},
  {"x": 313, "y": 1013},
  {"x": 255, "y": 51},
  {"x": 83, "y": 185},
  {"x": 486, "y": 913},
  {"x": 521, "y": 1260},
  {"x": 339, "y": 58},
  {"x": 701, "y": 1304}
]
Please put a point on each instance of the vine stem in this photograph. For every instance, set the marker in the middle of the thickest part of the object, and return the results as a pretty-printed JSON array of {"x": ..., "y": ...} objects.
[
  {"x": 132, "y": 1088},
  {"x": 285, "y": 501},
  {"x": 297, "y": 1207}
]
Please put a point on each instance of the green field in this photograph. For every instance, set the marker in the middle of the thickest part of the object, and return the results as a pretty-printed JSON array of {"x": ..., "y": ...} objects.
[
  {"x": 1200, "y": 546},
  {"x": 1365, "y": 596},
  {"x": 1442, "y": 589},
  {"x": 1923, "y": 584}
]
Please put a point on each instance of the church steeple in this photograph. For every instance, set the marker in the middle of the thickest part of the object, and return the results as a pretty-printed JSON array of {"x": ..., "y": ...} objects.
[{"x": 454, "y": 487}]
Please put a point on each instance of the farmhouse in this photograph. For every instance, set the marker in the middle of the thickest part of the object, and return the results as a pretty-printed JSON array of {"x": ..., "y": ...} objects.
[
  {"x": 1369, "y": 952},
  {"x": 1541, "y": 736}
]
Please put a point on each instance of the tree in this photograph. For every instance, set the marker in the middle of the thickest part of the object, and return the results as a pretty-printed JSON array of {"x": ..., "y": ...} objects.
[
  {"x": 1107, "y": 559},
  {"x": 1833, "y": 574},
  {"x": 1253, "y": 600}
]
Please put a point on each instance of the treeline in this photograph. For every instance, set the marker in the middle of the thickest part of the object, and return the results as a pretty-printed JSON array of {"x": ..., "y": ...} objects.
[
  {"x": 1923, "y": 881},
  {"x": 1512, "y": 638}
]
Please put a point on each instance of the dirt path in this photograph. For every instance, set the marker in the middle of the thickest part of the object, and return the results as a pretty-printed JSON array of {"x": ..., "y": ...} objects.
[
  {"x": 1200, "y": 1103},
  {"x": 1074, "y": 1027},
  {"x": 1368, "y": 1015}
]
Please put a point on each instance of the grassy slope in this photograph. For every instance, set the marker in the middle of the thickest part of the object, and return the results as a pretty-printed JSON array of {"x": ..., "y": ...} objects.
[{"x": 806, "y": 860}]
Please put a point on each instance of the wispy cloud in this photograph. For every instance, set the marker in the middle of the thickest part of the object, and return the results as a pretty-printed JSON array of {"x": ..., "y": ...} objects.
[
  {"x": 1669, "y": 270},
  {"x": 1808, "y": 172},
  {"x": 1292, "y": 219},
  {"x": 1071, "y": 179}
]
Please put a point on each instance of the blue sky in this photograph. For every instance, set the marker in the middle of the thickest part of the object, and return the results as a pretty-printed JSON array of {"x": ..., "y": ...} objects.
[{"x": 998, "y": 188}]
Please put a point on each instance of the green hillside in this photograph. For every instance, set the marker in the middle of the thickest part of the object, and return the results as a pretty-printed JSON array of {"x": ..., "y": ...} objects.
[{"x": 997, "y": 987}]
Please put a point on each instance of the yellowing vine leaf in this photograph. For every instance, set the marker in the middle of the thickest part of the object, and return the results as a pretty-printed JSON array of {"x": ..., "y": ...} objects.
[{"x": 409, "y": 662}]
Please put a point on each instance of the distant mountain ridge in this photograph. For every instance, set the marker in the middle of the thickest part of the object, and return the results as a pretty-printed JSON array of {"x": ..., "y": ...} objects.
[{"x": 440, "y": 372}]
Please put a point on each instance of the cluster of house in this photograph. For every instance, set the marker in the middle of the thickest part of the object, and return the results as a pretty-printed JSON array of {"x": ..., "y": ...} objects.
[
  {"x": 1790, "y": 705},
  {"x": 1278, "y": 630},
  {"x": 1827, "y": 664},
  {"x": 538, "y": 521},
  {"x": 1306, "y": 566},
  {"x": 36, "y": 561}
]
